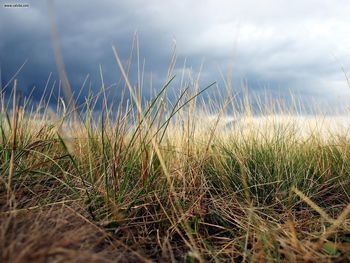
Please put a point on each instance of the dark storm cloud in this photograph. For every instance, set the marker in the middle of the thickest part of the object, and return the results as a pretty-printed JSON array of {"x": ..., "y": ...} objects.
[
  {"x": 87, "y": 33},
  {"x": 280, "y": 46}
]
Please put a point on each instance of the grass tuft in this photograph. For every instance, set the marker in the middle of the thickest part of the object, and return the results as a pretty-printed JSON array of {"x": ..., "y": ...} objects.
[{"x": 173, "y": 180}]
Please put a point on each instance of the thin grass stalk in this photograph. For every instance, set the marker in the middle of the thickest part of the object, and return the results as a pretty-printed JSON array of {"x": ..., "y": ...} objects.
[{"x": 13, "y": 141}]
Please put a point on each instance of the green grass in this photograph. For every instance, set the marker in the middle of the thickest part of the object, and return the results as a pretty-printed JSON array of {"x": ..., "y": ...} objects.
[{"x": 171, "y": 184}]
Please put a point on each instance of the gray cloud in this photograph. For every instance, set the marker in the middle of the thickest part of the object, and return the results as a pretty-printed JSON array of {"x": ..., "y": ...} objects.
[{"x": 280, "y": 46}]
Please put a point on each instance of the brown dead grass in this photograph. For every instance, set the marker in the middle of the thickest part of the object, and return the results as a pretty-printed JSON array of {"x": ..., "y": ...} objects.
[{"x": 57, "y": 234}]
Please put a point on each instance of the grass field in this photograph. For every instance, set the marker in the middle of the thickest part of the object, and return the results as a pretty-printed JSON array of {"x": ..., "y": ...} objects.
[{"x": 173, "y": 181}]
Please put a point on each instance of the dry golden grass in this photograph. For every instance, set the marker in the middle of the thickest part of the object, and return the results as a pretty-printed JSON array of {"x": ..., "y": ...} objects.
[{"x": 179, "y": 181}]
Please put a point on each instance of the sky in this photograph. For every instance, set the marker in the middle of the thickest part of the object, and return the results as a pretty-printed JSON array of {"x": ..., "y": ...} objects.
[{"x": 280, "y": 47}]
